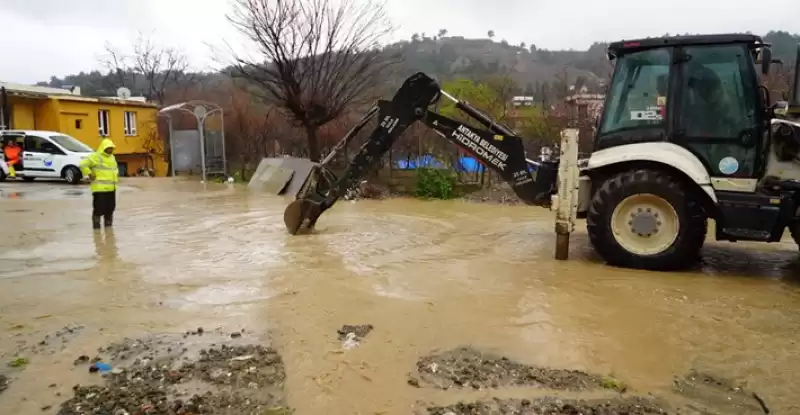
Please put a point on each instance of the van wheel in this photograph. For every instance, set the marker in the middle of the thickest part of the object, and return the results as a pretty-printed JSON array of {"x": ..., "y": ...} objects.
[
  {"x": 645, "y": 219},
  {"x": 72, "y": 175},
  {"x": 28, "y": 179},
  {"x": 2, "y": 176}
]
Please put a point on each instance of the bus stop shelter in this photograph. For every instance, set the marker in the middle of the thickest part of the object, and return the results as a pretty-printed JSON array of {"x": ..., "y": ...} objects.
[{"x": 196, "y": 137}]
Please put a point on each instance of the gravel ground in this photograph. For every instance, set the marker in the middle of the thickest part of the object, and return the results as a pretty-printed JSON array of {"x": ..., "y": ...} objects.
[
  {"x": 467, "y": 367},
  {"x": 162, "y": 375},
  {"x": 552, "y": 406}
]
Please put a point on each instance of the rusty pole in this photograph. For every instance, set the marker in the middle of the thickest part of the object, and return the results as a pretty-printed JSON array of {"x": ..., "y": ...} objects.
[{"x": 566, "y": 202}]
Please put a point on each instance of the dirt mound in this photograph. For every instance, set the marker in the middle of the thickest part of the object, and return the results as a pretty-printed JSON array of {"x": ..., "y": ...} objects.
[
  {"x": 163, "y": 379},
  {"x": 552, "y": 406},
  {"x": 468, "y": 367}
]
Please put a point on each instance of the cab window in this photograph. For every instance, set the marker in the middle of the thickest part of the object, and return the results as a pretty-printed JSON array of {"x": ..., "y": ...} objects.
[
  {"x": 36, "y": 144},
  {"x": 718, "y": 102},
  {"x": 720, "y": 110},
  {"x": 637, "y": 97}
]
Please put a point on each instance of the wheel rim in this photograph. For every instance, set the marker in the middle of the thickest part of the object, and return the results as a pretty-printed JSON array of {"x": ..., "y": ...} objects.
[
  {"x": 645, "y": 224},
  {"x": 70, "y": 175}
]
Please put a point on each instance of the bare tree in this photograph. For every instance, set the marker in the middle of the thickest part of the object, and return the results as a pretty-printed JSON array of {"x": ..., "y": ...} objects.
[
  {"x": 315, "y": 58},
  {"x": 150, "y": 69},
  {"x": 161, "y": 68},
  {"x": 117, "y": 64}
]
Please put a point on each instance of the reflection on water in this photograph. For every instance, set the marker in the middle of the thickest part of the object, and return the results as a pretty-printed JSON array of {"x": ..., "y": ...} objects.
[{"x": 427, "y": 275}]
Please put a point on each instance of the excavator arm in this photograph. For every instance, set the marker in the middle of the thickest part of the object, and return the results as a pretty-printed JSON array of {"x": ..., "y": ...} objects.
[{"x": 496, "y": 147}]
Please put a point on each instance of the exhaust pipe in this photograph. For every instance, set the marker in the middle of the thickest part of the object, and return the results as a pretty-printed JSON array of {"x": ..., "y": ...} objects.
[{"x": 795, "y": 102}]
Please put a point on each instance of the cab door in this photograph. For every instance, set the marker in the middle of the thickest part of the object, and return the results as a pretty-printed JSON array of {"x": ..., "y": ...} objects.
[
  {"x": 39, "y": 157},
  {"x": 719, "y": 116}
]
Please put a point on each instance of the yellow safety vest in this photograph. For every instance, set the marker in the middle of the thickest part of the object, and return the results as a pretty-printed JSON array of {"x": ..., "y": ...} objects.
[{"x": 104, "y": 167}]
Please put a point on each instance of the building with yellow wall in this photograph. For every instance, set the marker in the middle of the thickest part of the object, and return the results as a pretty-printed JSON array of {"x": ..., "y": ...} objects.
[{"x": 132, "y": 124}]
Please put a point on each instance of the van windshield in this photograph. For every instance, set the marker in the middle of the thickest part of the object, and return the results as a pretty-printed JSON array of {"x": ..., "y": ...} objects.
[{"x": 71, "y": 144}]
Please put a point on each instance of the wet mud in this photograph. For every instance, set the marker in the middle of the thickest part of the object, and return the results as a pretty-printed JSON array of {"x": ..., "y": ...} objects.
[{"x": 412, "y": 279}]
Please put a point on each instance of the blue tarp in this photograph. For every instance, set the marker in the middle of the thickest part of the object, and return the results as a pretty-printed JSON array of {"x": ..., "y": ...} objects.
[{"x": 466, "y": 164}]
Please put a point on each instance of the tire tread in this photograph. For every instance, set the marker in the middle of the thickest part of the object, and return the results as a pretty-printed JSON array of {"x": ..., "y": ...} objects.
[{"x": 694, "y": 224}]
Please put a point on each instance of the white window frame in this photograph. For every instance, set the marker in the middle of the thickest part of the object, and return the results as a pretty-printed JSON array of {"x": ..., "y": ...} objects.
[
  {"x": 102, "y": 123},
  {"x": 130, "y": 123}
]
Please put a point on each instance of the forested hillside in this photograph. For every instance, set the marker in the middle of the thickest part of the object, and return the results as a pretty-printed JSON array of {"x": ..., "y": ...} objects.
[{"x": 448, "y": 57}]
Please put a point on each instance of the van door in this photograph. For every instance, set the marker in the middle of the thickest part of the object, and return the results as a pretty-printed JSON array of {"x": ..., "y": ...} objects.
[{"x": 39, "y": 157}]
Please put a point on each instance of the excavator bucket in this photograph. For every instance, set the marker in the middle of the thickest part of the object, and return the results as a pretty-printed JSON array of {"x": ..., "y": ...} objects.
[
  {"x": 298, "y": 178},
  {"x": 301, "y": 215}
]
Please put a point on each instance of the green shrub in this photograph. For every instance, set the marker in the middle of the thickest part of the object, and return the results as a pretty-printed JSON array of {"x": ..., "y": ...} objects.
[{"x": 435, "y": 183}]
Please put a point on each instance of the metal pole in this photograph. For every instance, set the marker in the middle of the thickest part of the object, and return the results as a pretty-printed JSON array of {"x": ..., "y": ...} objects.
[
  {"x": 171, "y": 146},
  {"x": 222, "y": 135},
  {"x": 200, "y": 123},
  {"x": 566, "y": 205}
]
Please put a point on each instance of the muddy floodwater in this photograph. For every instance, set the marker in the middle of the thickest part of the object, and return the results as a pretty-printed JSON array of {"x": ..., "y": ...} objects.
[{"x": 426, "y": 276}]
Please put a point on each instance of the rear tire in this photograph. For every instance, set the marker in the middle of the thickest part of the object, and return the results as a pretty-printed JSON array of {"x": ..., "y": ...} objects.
[
  {"x": 72, "y": 175},
  {"x": 646, "y": 219}
]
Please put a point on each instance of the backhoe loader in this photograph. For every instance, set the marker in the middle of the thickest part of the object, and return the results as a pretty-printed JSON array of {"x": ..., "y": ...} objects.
[{"x": 687, "y": 134}]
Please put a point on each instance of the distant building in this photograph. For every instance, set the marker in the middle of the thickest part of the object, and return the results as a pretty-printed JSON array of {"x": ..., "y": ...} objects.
[
  {"x": 584, "y": 106},
  {"x": 522, "y": 101},
  {"x": 130, "y": 122}
]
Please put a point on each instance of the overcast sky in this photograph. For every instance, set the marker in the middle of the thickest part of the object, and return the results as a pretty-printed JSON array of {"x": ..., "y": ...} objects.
[{"x": 58, "y": 37}]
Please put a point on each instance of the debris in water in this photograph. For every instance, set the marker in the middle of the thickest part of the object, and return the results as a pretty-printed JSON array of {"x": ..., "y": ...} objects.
[
  {"x": 4, "y": 382},
  {"x": 351, "y": 341},
  {"x": 236, "y": 335},
  {"x": 100, "y": 367},
  {"x": 19, "y": 362},
  {"x": 761, "y": 402},
  {"x": 360, "y": 331},
  {"x": 711, "y": 391},
  {"x": 81, "y": 360}
]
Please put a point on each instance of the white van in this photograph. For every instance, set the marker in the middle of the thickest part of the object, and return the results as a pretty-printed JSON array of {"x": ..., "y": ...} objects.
[{"x": 46, "y": 155}]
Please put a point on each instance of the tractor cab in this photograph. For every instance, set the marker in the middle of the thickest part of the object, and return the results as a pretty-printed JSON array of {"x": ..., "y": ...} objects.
[
  {"x": 689, "y": 134},
  {"x": 700, "y": 92}
]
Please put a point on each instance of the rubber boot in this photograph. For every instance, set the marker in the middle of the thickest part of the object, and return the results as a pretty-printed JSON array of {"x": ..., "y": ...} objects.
[
  {"x": 95, "y": 222},
  {"x": 109, "y": 220}
]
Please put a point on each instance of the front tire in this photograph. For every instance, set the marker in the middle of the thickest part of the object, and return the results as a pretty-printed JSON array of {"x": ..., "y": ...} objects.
[
  {"x": 72, "y": 175},
  {"x": 646, "y": 219}
]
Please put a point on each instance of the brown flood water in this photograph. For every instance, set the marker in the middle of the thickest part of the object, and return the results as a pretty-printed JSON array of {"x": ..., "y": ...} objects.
[{"x": 427, "y": 275}]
